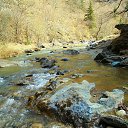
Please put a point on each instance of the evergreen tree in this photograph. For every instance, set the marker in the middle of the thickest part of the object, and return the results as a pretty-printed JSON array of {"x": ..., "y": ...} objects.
[{"x": 89, "y": 16}]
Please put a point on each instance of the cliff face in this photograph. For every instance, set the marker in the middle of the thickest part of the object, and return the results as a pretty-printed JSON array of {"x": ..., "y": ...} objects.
[{"x": 120, "y": 43}]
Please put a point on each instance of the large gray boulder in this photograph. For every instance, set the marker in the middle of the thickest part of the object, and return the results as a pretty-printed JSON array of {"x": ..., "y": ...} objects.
[{"x": 71, "y": 103}]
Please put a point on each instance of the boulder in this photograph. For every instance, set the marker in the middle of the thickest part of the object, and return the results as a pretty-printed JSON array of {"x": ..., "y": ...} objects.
[
  {"x": 71, "y": 52},
  {"x": 113, "y": 121},
  {"x": 122, "y": 27},
  {"x": 45, "y": 63},
  {"x": 100, "y": 56},
  {"x": 121, "y": 42},
  {"x": 71, "y": 104}
]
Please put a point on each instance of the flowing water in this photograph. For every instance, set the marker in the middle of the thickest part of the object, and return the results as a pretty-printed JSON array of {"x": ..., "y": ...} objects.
[{"x": 13, "y": 109}]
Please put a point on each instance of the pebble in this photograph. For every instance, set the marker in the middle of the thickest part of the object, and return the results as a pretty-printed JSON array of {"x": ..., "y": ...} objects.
[
  {"x": 121, "y": 113},
  {"x": 37, "y": 125}
]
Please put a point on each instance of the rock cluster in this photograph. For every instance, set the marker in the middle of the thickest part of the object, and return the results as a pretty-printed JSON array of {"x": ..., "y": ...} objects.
[
  {"x": 116, "y": 53},
  {"x": 71, "y": 52},
  {"x": 120, "y": 43}
]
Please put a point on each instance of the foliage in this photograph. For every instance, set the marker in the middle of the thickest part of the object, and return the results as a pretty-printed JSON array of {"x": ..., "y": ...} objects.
[{"x": 89, "y": 16}]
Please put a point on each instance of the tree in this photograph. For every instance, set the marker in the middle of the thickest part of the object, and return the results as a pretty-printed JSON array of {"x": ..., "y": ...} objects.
[{"x": 89, "y": 16}]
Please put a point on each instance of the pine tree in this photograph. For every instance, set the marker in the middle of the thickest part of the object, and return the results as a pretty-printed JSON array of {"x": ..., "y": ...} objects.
[{"x": 89, "y": 16}]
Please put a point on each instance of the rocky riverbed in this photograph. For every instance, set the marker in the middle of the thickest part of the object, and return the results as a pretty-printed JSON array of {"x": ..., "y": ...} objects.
[{"x": 62, "y": 89}]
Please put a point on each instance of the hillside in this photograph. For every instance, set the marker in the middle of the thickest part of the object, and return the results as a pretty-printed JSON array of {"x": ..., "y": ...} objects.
[{"x": 46, "y": 21}]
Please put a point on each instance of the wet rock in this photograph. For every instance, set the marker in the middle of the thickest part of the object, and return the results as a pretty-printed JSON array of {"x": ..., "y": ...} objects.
[
  {"x": 21, "y": 84},
  {"x": 37, "y": 125},
  {"x": 45, "y": 63},
  {"x": 71, "y": 104},
  {"x": 52, "y": 85},
  {"x": 37, "y": 59},
  {"x": 65, "y": 59},
  {"x": 124, "y": 52},
  {"x": 71, "y": 52},
  {"x": 113, "y": 121},
  {"x": 64, "y": 80},
  {"x": 122, "y": 27},
  {"x": 76, "y": 75},
  {"x": 103, "y": 44},
  {"x": 1, "y": 79},
  {"x": 60, "y": 73},
  {"x": 41, "y": 46},
  {"x": 28, "y": 54},
  {"x": 121, "y": 113},
  {"x": 29, "y": 51},
  {"x": 114, "y": 60},
  {"x": 116, "y": 64},
  {"x": 51, "y": 51},
  {"x": 36, "y": 49},
  {"x": 111, "y": 99},
  {"x": 100, "y": 56}
]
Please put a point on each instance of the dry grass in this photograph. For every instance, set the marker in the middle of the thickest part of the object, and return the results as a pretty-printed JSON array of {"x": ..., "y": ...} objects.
[{"x": 13, "y": 49}]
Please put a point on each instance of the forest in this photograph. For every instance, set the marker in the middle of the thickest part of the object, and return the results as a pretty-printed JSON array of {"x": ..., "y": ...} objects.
[{"x": 46, "y": 21}]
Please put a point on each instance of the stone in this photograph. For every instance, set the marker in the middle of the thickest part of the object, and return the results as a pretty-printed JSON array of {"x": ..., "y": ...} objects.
[
  {"x": 124, "y": 62},
  {"x": 71, "y": 104},
  {"x": 52, "y": 85},
  {"x": 100, "y": 56},
  {"x": 64, "y": 47},
  {"x": 36, "y": 49},
  {"x": 115, "y": 64},
  {"x": 71, "y": 52},
  {"x": 60, "y": 73},
  {"x": 37, "y": 125},
  {"x": 29, "y": 51},
  {"x": 113, "y": 121},
  {"x": 121, "y": 113},
  {"x": 122, "y": 27},
  {"x": 65, "y": 59},
  {"x": 117, "y": 51},
  {"x": 111, "y": 99},
  {"x": 76, "y": 75},
  {"x": 46, "y": 63}
]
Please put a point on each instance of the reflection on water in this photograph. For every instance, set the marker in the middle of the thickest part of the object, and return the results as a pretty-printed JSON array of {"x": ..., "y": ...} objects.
[{"x": 12, "y": 107}]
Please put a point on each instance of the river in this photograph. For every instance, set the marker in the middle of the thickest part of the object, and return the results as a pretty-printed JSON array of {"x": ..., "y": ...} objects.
[{"x": 13, "y": 110}]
